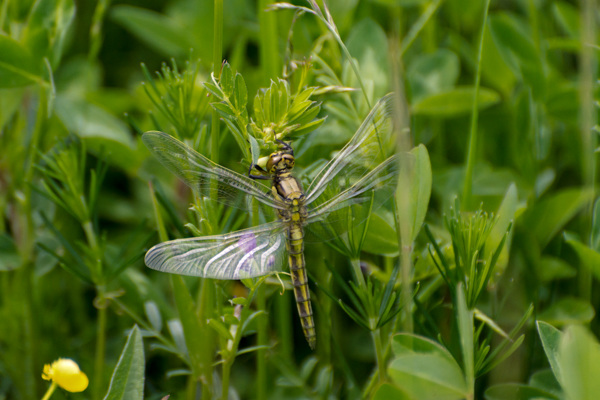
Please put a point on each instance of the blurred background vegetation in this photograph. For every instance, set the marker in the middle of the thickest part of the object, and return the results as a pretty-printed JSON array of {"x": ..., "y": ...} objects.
[{"x": 77, "y": 213}]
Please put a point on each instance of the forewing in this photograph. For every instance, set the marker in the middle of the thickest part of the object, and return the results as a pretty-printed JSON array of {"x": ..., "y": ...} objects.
[
  {"x": 239, "y": 255},
  {"x": 371, "y": 145},
  {"x": 206, "y": 178}
]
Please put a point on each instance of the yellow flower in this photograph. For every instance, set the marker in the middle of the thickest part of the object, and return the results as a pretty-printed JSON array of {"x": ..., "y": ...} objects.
[{"x": 66, "y": 374}]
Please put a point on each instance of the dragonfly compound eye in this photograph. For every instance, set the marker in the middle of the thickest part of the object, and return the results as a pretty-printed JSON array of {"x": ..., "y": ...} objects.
[
  {"x": 289, "y": 160},
  {"x": 274, "y": 160}
]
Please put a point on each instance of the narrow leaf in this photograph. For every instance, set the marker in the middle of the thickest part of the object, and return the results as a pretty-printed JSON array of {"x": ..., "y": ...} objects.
[{"x": 127, "y": 382}]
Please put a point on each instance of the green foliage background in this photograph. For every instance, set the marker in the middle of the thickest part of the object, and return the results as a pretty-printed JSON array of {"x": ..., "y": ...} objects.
[{"x": 498, "y": 106}]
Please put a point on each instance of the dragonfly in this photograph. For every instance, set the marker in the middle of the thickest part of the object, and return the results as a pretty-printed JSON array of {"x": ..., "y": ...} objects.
[{"x": 360, "y": 173}]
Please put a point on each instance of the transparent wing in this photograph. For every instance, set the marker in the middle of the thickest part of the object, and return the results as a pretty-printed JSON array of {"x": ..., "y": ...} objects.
[
  {"x": 205, "y": 177},
  {"x": 239, "y": 255},
  {"x": 334, "y": 216},
  {"x": 378, "y": 185},
  {"x": 371, "y": 145}
]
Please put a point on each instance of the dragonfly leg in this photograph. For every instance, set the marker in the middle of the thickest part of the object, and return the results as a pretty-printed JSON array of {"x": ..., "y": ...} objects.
[
  {"x": 259, "y": 169},
  {"x": 285, "y": 146}
]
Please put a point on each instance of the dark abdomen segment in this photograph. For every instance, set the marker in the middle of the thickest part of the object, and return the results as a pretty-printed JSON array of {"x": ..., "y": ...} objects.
[{"x": 295, "y": 248}]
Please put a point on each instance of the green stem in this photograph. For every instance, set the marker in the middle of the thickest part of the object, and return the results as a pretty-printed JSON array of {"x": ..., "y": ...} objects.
[
  {"x": 588, "y": 68},
  {"x": 225, "y": 378},
  {"x": 50, "y": 390},
  {"x": 284, "y": 311},
  {"x": 261, "y": 338},
  {"x": 25, "y": 238},
  {"x": 269, "y": 56},
  {"x": 467, "y": 188},
  {"x": 29, "y": 339},
  {"x": 190, "y": 389},
  {"x": 379, "y": 356},
  {"x": 92, "y": 240},
  {"x": 357, "y": 272},
  {"x": 100, "y": 345},
  {"x": 217, "y": 59},
  {"x": 96, "y": 29},
  {"x": 205, "y": 305},
  {"x": 3, "y": 15},
  {"x": 261, "y": 326}
]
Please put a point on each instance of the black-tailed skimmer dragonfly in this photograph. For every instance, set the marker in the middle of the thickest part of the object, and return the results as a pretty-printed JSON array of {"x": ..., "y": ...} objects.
[{"x": 359, "y": 173}]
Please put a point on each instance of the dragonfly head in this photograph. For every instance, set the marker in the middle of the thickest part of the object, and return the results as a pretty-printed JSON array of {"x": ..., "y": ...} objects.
[{"x": 280, "y": 161}]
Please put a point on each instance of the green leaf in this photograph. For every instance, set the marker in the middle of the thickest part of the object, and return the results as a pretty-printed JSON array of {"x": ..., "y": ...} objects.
[
  {"x": 388, "y": 391},
  {"x": 548, "y": 216},
  {"x": 241, "y": 92},
  {"x": 428, "y": 376},
  {"x": 192, "y": 330},
  {"x": 504, "y": 218},
  {"x": 220, "y": 328},
  {"x": 567, "y": 16},
  {"x": 518, "y": 50},
  {"x": 368, "y": 43},
  {"x": 17, "y": 67},
  {"x": 546, "y": 381},
  {"x": 103, "y": 134},
  {"x": 215, "y": 90},
  {"x": 589, "y": 258},
  {"x": 579, "y": 356},
  {"x": 127, "y": 382},
  {"x": 9, "y": 255},
  {"x": 455, "y": 102},
  {"x": 465, "y": 330},
  {"x": 550, "y": 268},
  {"x": 156, "y": 30},
  {"x": 420, "y": 188},
  {"x": 254, "y": 149},
  {"x": 433, "y": 73},
  {"x": 10, "y": 99},
  {"x": 595, "y": 234},
  {"x": 515, "y": 391},
  {"x": 407, "y": 343},
  {"x": 153, "y": 315},
  {"x": 568, "y": 310},
  {"x": 226, "y": 80},
  {"x": 381, "y": 236},
  {"x": 551, "y": 338},
  {"x": 47, "y": 28}
]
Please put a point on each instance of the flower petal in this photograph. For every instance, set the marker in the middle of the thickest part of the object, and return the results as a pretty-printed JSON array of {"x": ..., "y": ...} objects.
[{"x": 66, "y": 373}]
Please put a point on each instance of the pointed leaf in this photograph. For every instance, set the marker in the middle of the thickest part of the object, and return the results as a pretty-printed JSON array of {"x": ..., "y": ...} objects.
[
  {"x": 579, "y": 356},
  {"x": 455, "y": 102},
  {"x": 193, "y": 332},
  {"x": 17, "y": 67},
  {"x": 514, "y": 391},
  {"x": 551, "y": 338},
  {"x": 547, "y": 217},
  {"x": 127, "y": 382}
]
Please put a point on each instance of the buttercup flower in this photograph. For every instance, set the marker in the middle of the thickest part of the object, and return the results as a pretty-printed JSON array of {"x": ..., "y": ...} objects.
[{"x": 66, "y": 373}]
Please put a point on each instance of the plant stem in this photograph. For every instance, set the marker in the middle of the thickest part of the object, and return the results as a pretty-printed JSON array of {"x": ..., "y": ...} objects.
[
  {"x": 50, "y": 390},
  {"x": 217, "y": 59},
  {"x": 225, "y": 378},
  {"x": 261, "y": 339},
  {"x": 96, "y": 29},
  {"x": 357, "y": 272},
  {"x": 261, "y": 326},
  {"x": 379, "y": 356},
  {"x": 587, "y": 72},
  {"x": 100, "y": 344},
  {"x": 269, "y": 58},
  {"x": 24, "y": 235},
  {"x": 470, "y": 166}
]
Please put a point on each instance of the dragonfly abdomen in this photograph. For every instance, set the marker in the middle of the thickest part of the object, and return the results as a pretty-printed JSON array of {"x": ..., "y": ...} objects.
[{"x": 295, "y": 248}]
